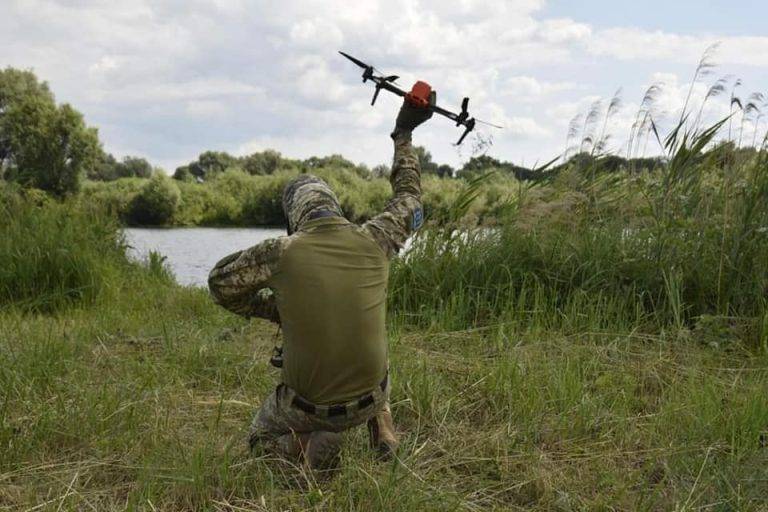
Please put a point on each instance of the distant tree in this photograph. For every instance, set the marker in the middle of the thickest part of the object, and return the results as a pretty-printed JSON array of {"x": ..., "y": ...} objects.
[
  {"x": 484, "y": 163},
  {"x": 478, "y": 165},
  {"x": 134, "y": 167},
  {"x": 50, "y": 146},
  {"x": 338, "y": 161},
  {"x": 105, "y": 168},
  {"x": 425, "y": 160},
  {"x": 208, "y": 164},
  {"x": 335, "y": 162},
  {"x": 445, "y": 171},
  {"x": 42, "y": 145},
  {"x": 587, "y": 163},
  {"x": 262, "y": 162},
  {"x": 381, "y": 171},
  {"x": 183, "y": 174}
]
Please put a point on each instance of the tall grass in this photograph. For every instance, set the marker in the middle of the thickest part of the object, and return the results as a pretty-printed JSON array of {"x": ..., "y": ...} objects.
[
  {"x": 599, "y": 251},
  {"x": 60, "y": 254},
  {"x": 54, "y": 255}
]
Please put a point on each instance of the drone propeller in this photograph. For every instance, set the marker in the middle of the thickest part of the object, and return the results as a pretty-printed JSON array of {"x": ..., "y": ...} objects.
[
  {"x": 379, "y": 86},
  {"x": 464, "y": 113}
]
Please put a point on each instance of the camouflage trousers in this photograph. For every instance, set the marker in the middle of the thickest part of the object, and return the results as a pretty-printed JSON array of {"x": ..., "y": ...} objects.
[{"x": 278, "y": 419}]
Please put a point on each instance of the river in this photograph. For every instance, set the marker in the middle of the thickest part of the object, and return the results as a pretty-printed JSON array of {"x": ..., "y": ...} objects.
[{"x": 192, "y": 252}]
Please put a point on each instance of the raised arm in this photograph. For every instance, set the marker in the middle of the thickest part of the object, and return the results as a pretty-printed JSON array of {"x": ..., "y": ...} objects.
[
  {"x": 241, "y": 281},
  {"x": 403, "y": 214}
]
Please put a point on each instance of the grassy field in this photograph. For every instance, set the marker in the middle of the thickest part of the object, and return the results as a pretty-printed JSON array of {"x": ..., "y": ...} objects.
[
  {"x": 143, "y": 403},
  {"x": 605, "y": 347}
]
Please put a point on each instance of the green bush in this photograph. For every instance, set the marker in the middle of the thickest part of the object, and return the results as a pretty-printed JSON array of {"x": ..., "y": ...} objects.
[
  {"x": 264, "y": 205},
  {"x": 115, "y": 197},
  {"x": 155, "y": 203}
]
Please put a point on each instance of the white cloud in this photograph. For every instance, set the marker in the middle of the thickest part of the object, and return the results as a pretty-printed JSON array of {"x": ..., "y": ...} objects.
[
  {"x": 206, "y": 108},
  {"x": 528, "y": 88},
  {"x": 169, "y": 79},
  {"x": 563, "y": 31},
  {"x": 634, "y": 44},
  {"x": 104, "y": 65},
  {"x": 314, "y": 33}
]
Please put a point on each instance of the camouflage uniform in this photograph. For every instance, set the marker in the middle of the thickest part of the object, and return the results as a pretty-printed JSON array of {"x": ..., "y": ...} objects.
[{"x": 326, "y": 283}]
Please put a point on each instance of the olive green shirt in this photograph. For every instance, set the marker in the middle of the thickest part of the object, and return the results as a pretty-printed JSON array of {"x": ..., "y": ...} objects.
[{"x": 326, "y": 284}]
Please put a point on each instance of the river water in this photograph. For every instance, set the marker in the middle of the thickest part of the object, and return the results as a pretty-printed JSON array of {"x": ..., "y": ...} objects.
[{"x": 192, "y": 252}]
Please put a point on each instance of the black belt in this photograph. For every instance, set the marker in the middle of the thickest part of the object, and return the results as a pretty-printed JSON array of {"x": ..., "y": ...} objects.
[{"x": 340, "y": 409}]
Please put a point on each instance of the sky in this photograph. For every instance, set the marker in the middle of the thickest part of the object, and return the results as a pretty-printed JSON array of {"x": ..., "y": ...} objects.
[{"x": 169, "y": 79}]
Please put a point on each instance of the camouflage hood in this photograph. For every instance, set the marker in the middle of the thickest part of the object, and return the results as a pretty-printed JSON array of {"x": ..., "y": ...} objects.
[{"x": 305, "y": 197}]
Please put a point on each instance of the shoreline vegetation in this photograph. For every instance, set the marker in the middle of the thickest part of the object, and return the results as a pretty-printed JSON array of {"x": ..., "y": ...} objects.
[
  {"x": 603, "y": 347},
  {"x": 233, "y": 197}
]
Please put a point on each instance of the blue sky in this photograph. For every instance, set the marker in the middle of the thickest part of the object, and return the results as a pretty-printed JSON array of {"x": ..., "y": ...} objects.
[
  {"x": 682, "y": 16},
  {"x": 168, "y": 79}
]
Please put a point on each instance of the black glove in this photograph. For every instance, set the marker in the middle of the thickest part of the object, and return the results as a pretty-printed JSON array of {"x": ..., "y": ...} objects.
[{"x": 411, "y": 116}]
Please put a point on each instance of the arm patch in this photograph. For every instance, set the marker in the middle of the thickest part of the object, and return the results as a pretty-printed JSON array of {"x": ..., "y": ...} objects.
[{"x": 417, "y": 219}]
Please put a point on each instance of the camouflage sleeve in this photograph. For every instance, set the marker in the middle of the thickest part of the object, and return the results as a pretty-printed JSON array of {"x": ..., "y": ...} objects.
[
  {"x": 240, "y": 281},
  {"x": 403, "y": 214}
]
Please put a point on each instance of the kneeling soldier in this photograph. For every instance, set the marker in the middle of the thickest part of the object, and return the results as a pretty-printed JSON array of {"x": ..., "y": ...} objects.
[{"x": 326, "y": 283}]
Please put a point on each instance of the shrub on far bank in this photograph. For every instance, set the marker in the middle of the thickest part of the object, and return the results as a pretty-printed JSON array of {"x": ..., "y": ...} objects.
[
  {"x": 113, "y": 197},
  {"x": 236, "y": 198},
  {"x": 155, "y": 203}
]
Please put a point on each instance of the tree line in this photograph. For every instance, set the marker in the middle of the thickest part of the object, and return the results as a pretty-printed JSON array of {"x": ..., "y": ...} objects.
[{"x": 48, "y": 146}]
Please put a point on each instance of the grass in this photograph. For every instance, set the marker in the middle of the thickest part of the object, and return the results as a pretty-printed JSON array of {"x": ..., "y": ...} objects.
[
  {"x": 48, "y": 259},
  {"x": 117, "y": 407}
]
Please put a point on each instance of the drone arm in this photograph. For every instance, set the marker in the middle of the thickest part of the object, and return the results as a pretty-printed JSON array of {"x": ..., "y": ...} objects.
[
  {"x": 446, "y": 113},
  {"x": 383, "y": 84}
]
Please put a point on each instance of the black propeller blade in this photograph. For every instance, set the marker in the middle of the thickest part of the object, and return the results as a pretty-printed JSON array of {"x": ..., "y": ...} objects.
[
  {"x": 358, "y": 62},
  {"x": 380, "y": 85}
]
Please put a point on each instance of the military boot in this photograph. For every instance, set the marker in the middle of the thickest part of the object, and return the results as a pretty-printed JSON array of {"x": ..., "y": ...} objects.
[
  {"x": 319, "y": 449},
  {"x": 291, "y": 446},
  {"x": 382, "y": 431},
  {"x": 323, "y": 450}
]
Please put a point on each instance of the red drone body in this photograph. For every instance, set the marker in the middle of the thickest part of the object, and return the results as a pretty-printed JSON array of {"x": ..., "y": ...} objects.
[{"x": 419, "y": 95}]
